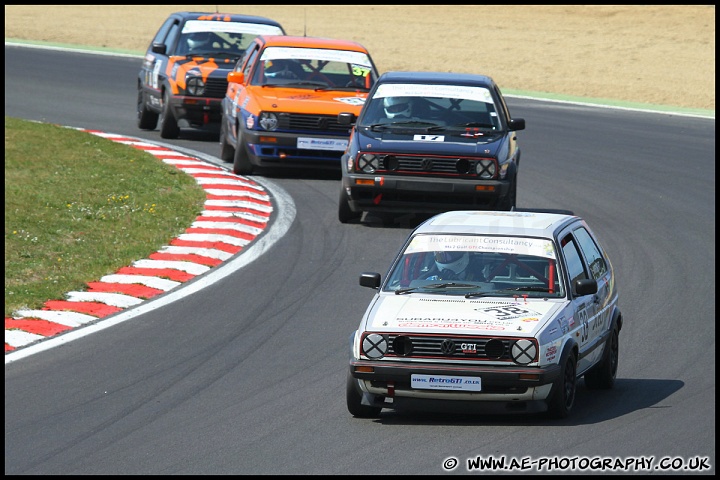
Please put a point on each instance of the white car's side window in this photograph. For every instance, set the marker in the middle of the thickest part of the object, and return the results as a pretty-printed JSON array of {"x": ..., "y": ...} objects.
[
  {"x": 576, "y": 270},
  {"x": 592, "y": 254}
]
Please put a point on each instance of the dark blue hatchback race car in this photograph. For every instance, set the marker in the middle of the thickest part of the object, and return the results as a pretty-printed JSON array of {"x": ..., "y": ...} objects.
[
  {"x": 183, "y": 77},
  {"x": 429, "y": 142}
]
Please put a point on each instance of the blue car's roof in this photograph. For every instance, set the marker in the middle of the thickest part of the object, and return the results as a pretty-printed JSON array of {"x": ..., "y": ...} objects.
[{"x": 437, "y": 77}]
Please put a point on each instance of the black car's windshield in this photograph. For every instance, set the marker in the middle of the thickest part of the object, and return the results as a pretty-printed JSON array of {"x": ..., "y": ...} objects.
[
  {"x": 232, "y": 56},
  {"x": 404, "y": 124},
  {"x": 488, "y": 126},
  {"x": 448, "y": 107}
]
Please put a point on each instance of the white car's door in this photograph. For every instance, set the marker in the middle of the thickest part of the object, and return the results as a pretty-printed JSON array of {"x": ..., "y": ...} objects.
[{"x": 585, "y": 307}]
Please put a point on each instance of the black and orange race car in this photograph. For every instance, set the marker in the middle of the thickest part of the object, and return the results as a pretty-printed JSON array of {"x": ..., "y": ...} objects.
[
  {"x": 183, "y": 77},
  {"x": 284, "y": 98}
]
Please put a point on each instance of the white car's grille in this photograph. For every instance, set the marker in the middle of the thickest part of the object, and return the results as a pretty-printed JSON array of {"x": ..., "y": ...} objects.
[{"x": 444, "y": 346}]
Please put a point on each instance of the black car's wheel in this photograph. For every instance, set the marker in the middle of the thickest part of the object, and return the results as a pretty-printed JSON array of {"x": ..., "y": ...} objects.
[
  {"x": 563, "y": 396},
  {"x": 345, "y": 214},
  {"x": 168, "y": 124},
  {"x": 241, "y": 159},
  {"x": 227, "y": 152},
  {"x": 509, "y": 202},
  {"x": 602, "y": 376},
  {"x": 354, "y": 397},
  {"x": 146, "y": 119}
]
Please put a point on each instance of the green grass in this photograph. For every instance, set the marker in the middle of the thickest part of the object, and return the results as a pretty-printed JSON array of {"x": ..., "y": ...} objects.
[{"x": 78, "y": 206}]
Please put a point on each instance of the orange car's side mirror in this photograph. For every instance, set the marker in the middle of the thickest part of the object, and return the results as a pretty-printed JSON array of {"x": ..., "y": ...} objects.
[{"x": 236, "y": 77}]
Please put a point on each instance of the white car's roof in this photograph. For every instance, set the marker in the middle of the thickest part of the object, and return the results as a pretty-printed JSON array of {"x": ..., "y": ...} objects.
[{"x": 534, "y": 224}]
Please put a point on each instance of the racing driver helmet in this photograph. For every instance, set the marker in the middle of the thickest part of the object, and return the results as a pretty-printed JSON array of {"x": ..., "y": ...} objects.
[
  {"x": 455, "y": 262},
  {"x": 198, "y": 41},
  {"x": 395, "y": 106}
]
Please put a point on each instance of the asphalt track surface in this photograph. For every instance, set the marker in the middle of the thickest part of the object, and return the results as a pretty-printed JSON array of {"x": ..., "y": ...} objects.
[{"x": 246, "y": 375}]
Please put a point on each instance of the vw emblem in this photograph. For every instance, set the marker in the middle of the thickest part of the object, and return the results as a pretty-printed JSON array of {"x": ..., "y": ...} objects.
[
  {"x": 447, "y": 347},
  {"x": 426, "y": 164}
]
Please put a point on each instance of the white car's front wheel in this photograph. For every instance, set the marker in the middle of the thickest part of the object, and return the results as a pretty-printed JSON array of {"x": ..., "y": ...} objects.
[
  {"x": 563, "y": 396},
  {"x": 353, "y": 396}
]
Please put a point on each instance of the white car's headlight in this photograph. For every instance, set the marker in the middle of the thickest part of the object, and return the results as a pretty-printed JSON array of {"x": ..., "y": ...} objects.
[
  {"x": 195, "y": 86},
  {"x": 374, "y": 346},
  {"x": 524, "y": 352}
]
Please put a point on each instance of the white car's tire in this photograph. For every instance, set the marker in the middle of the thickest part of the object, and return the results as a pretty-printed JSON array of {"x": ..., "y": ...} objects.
[
  {"x": 602, "y": 376},
  {"x": 353, "y": 397},
  {"x": 563, "y": 393}
]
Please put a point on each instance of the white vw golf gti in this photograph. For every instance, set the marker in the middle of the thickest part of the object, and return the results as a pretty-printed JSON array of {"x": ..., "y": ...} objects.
[{"x": 485, "y": 311}]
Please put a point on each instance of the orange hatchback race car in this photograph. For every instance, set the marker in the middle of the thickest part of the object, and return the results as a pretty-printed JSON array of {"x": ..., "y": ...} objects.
[{"x": 283, "y": 100}]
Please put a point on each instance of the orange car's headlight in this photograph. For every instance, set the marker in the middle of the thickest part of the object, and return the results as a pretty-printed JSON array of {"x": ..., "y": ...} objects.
[{"x": 268, "y": 121}]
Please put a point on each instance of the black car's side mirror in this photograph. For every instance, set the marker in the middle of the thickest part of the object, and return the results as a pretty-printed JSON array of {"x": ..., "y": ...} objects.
[
  {"x": 159, "y": 48},
  {"x": 516, "y": 124},
  {"x": 346, "y": 118}
]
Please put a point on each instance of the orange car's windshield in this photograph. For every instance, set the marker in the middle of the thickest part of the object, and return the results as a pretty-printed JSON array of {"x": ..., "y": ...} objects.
[{"x": 312, "y": 68}]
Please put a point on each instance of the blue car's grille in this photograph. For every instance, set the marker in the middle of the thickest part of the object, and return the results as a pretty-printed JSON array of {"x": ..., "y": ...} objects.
[{"x": 427, "y": 164}]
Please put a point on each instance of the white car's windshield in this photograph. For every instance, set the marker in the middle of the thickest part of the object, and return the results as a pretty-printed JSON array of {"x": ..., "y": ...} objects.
[{"x": 478, "y": 266}]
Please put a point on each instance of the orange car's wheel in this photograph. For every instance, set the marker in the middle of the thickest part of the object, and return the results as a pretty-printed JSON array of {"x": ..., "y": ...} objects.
[
  {"x": 227, "y": 152},
  {"x": 241, "y": 159}
]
